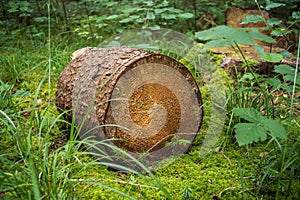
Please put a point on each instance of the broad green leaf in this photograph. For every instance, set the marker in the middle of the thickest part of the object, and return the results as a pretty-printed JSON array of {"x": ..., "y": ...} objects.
[
  {"x": 285, "y": 54},
  {"x": 284, "y": 69},
  {"x": 274, "y": 5},
  {"x": 24, "y": 15},
  {"x": 131, "y": 9},
  {"x": 274, "y": 82},
  {"x": 126, "y": 20},
  {"x": 112, "y": 17},
  {"x": 131, "y": 18},
  {"x": 150, "y": 15},
  {"x": 40, "y": 19},
  {"x": 262, "y": 37},
  {"x": 159, "y": 10},
  {"x": 168, "y": 16},
  {"x": 259, "y": 49},
  {"x": 174, "y": 10},
  {"x": 291, "y": 79},
  {"x": 274, "y": 21},
  {"x": 280, "y": 31},
  {"x": 288, "y": 88},
  {"x": 214, "y": 33},
  {"x": 249, "y": 76},
  {"x": 296, "y": 15},
  {"x": 186, "y": 15},
  {"x": 275, "y": 129},
  {"x": 252, "y": 19},
  {"x": 13, "y": 9},
  {"x": 110, "y": 4},
  {"x": 249, "y": 114},
  {"x": 247, "y": 133},
  {"x": 24, "y": 4},
  {"x": 218, "y": 43},
  {"x": 149, "y": 3},
  {"x": 271, "y": 57},
  {"x": 238, "y": 35},
  {"x": 139, "y": 20},
  {"x": 154, "y": 27}
]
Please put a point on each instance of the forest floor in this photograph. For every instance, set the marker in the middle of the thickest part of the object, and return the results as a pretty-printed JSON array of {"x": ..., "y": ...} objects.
[{"x": 228, "y": 172}]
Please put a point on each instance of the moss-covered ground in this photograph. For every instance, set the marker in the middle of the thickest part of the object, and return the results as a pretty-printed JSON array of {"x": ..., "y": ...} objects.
[{"x": 228, "y": 172}]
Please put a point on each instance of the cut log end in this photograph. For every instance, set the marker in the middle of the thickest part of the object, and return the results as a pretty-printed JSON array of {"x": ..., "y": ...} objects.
[{"x": 144, "y": 100}]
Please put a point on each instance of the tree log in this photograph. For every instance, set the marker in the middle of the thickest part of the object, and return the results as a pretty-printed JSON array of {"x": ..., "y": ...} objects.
[{"x": 148, "y": 101}]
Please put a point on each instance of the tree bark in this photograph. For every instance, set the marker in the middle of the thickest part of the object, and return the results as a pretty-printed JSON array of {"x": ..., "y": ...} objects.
[{"x": 143, "y": 99}]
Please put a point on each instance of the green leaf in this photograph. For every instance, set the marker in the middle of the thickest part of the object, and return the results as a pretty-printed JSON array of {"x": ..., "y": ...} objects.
[
  {"x": 131, "y": 10},
  {"x": 110, "y": 4},
  {"x": 150, "y": 15},
  {"x": 40, "y": 19},
  {"x": 238, "y": 35},
  {"x": 24, "y": 15},
  {"x": 284, "y": 69},
  {"x": 275, "y": 128},
  {"x": 262, "y": 37},
  {"x": 168, "y": 16},
  {"x": 13, "y": 9},
  {"x": 159, "y": 10},
  {"x": 285, "y": 54},
  {"x": 247, "y": 133},
  {"x": 249, "y": 76},
  {"x": 280, "y": 31},
  {"x": 296, "y": 15},
  {"x": 186, "y": 15},
  {"x": 131, "y": 18},
  {"x": 288, "y": 88},
  {"x": 126, "y": 20},
  {"x": 271, "y": 57},
  {"x": 174, "y": 10},
  {"x": 249, "y": 114},
  {"x": 214, "y": 33},
  {"x": 274, "y": 5},
  {"x": 274, "y": 21},
  {"x": 259, "y": 49},
  {"x": 291, "y": 79},
  {"x": 252, "y": 19},
  {"x": 112, "y": 17},
  {"x": 154, "y": 27},
  {"x": 149, "y": 3},
  {"x": 274, "y": 82},
  {"x": 218, "y": 43}
]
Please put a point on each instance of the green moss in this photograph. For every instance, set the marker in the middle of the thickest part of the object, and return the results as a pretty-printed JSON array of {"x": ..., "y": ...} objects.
[
  {"x": 217, "y": 174},
  {"x": 217, "y": 58},
  {"x": 251, "y": 63}
]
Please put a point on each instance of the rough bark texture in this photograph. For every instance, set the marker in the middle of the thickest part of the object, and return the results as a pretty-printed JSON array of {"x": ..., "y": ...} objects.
[{"x": 108, "y": 65}]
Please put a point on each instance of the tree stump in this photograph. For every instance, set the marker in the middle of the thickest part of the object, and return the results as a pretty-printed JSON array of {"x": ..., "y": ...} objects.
[{"x": 146, "y": 102}]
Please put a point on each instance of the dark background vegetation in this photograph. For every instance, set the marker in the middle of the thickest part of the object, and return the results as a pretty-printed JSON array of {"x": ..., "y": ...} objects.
[{"x": 94, "y": 20}]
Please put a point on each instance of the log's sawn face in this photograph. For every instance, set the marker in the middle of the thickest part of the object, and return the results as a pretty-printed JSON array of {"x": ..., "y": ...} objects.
[
  {"x": 142, "y": 112},
  {"x": 152, "y": 98}
]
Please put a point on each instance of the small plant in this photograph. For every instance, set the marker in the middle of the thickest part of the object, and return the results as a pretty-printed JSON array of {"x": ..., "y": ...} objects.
[
  {"x": 187, "y": 193},
  {"x": 257, "y": 128}
]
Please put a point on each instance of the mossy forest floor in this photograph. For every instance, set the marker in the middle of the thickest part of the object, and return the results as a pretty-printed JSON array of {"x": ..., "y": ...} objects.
[{"x": 228, "y": 172}]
